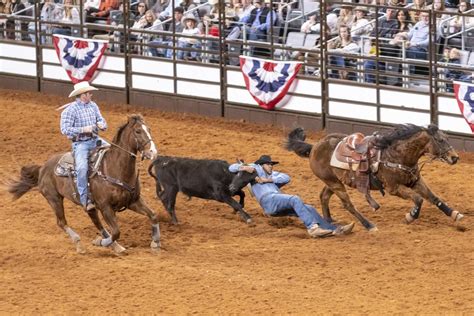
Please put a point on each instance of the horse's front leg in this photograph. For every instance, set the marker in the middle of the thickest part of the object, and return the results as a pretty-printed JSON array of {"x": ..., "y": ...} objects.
[
  {"x": 422, "y": 188},
  {"x": 142, "y": 208},
  {"x": 408, "y": 194},
  {"x": 105, "y": 234},
  {"x": 324, "y": 197},
  {"x": 111, "y": 220}
]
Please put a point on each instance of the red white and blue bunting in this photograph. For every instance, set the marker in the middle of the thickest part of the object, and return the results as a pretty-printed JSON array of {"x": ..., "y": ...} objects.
[
  {"x": 79, "y": 57},
  {"x": 465, "y": 96},
  {"x": 268, "y": 81}
]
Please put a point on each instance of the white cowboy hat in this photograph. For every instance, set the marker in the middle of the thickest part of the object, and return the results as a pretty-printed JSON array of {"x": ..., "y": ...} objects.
[{"x": 80, "y": 88}]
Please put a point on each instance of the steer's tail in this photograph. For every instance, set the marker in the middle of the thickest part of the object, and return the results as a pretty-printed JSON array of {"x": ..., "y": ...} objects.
[
  {"x": 28, "y": 179},
  {"x": 154, "y": 176},
  {"x": 296, "y": 143}
]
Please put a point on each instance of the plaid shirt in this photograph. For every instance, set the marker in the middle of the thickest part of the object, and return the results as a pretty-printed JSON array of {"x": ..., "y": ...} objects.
[{"x": 79, "y": 115}]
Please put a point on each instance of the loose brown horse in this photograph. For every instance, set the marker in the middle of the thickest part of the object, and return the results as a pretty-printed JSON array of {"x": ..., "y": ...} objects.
[
  {"x": 398, "y": 170},
  {"x": 114, "y": 187}
]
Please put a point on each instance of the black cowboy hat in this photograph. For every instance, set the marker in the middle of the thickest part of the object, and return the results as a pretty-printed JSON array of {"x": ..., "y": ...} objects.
[{"x": 265, "y": 159}]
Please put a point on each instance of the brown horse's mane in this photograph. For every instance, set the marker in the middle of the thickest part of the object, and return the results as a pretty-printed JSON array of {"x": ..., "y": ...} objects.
[
  {"x": 134, "y": 118},
  {"x": 400, "y": 132}
]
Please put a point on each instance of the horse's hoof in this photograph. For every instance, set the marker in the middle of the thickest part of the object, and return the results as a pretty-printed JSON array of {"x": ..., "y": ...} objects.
[
  {"x": 117, "y": 248},
  {"x": 250, "y": 222},
  {"x": 155, "y": 245},
  {"x": 409, "y": 219},
  {"x": 373, "y": 229},
  {"x": 79, "y": 248},
  {"x": 96, "y": 241},
  {"x": 456, "y": 216}
]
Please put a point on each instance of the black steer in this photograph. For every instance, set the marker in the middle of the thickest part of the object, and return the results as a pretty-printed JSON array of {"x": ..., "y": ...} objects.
[{"x": 202, "y": 178}]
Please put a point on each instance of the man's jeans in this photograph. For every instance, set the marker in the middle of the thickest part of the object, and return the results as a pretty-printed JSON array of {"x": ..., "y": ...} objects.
[
  {"x": 81, "y": 152},
  {"x": 292, "y": 205}
]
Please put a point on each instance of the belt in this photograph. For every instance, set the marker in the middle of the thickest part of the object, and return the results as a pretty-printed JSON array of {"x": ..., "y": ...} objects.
[{"x": 81, "y": 137}]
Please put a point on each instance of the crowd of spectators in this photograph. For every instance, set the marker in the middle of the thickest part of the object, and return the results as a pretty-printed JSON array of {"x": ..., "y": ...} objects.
[{"x": 356, "y": 31}]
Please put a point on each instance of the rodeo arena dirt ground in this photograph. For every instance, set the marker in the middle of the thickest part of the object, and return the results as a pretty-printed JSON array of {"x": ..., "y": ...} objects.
[{"x": 212, "y": 262}]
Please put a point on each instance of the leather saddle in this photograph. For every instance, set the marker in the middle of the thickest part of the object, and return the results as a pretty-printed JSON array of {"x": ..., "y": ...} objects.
[
  {"x": 358, "y": 154},
  {"x": 65, "y": 165},
  {"x": 354, "y": 149}
]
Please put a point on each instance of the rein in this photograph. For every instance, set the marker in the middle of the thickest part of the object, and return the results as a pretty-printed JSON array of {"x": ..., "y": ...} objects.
[{"x": 121, "y": 148}]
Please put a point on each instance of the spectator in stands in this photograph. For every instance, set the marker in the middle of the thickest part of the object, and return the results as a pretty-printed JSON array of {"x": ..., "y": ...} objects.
[
  {"x": 387, "y": 28},
  {"x": 104, "y": 10},
  {"x": 157, "y": 6},
  {"x": 414, "y": 13},
  {"x": 189, "y": 5},
  {"x": 168, "y": 11},
  {"x": 258, "y": 23},
  {"x": 311, "y": 22},
  {"x": 361, "y": 26},
  {"x": 346, "y": 16},
  {"x": 91, "y": 6},
  {"x": 404, "y": 22},
  {"x": 342, "y": 44},
  {"x": 234, "y": 8},
  {"x": 247, "y": 7},
  {"x": 456, "y": 25},
  {"x": 67, "y": 13},
  {"x": 209, "y": 26},
  {"x": 158, "y": 46},
  {"x": 5, "y": 8},
  {"x": 418, "y": 38},
  {"x": 190, "y": 28},
  {"x": 451, "y": 56},
  {"x": 140, "y": 15},
  {"x": 18, "y": 9}
]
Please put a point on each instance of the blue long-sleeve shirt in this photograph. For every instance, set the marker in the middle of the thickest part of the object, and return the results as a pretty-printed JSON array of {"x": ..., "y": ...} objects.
[
  {"x": 79, "y": 115},
  {"x": 418, "y": 35},
  {"x": 263, "y": 27},
  {"x": 260, "y": 189}
]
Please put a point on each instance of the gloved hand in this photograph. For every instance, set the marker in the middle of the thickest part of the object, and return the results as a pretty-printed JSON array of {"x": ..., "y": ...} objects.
[
  {"x": 101, "y": 125},
  {"x": 88, "y": 129}
]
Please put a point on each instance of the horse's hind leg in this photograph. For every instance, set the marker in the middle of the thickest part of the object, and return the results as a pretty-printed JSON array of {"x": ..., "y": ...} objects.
[
  {"x": 141, "y": 207},
  {"x": 57, "y": 203},
  {"x": 325, "y": 196},
  {"x": 422, "y": 188},
  {"x": 341, "y": 192}
]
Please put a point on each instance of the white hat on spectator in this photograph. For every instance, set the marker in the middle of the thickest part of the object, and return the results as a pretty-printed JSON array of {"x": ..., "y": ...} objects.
[
  {"x": 189, "y": 16},
  {"x": 80, "y": 88},
  {"x": 361, "y": 8}
]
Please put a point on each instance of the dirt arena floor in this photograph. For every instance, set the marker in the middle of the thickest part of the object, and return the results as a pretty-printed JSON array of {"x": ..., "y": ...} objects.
[{"x": 213, "y": 263}]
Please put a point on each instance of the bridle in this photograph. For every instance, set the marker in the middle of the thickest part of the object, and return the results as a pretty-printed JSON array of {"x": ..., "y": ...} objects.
[{"x": 137, "y": 146}]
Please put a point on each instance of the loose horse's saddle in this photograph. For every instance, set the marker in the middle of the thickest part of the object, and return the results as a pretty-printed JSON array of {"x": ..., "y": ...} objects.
[
  {"x": 65, "y": 165},
  {"x": 354, "y": 149}
]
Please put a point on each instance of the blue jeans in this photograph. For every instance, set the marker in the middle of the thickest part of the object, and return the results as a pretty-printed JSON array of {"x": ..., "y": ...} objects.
[
  {"x": 371, "y": 65},
  {"x": 81, "y": 152},
  {"x": 291, "y": 205}
]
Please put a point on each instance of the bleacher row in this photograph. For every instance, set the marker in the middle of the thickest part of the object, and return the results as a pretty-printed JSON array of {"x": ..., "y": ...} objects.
[{"x": 151, "y": 33}]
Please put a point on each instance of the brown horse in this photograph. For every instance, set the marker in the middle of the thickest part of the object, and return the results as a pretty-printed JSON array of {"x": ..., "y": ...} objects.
[
  {"x": 113, "y": 188},
  {"x": 398, "y": 169}
]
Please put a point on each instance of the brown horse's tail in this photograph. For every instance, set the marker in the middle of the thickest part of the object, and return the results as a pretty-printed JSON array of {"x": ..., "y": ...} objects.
[
  {"x": 28, "y": 179},
  {"x": 296, "y": 143}
]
